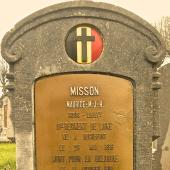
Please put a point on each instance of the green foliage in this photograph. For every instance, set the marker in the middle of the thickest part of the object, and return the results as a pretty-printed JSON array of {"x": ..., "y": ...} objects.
[{"x": 7, "y": 156}]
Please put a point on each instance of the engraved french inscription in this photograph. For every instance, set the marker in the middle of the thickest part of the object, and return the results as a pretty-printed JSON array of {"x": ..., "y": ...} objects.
[{"x": 84, "y": 122}]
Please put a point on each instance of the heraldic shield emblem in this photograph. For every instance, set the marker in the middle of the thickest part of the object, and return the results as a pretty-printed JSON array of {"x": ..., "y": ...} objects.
[{"x": 84, "y": 44}]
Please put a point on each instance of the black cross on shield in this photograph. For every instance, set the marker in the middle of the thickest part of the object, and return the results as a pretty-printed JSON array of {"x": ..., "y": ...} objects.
[{"x": 84, "y": 44}]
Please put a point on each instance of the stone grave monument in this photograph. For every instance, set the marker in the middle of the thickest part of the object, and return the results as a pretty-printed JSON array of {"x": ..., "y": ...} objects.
[
  {"x": 83, "y": 86},
  {"x": 162, "y": 154}
]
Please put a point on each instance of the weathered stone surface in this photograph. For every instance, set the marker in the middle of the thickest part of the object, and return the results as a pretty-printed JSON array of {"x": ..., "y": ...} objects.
[
  {"x": 36, "y": 48},
  {"x": 163, "y": 153}
]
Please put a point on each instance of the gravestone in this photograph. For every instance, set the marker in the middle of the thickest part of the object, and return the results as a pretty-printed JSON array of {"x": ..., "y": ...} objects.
[
  {"x": 6, "y": 125},
  {"x": 162, "y": 155},
  {"x": 83, "y": 86}
]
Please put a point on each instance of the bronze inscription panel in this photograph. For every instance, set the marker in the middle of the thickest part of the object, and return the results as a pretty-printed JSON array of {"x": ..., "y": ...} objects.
[{"x": 84, "y": 122}]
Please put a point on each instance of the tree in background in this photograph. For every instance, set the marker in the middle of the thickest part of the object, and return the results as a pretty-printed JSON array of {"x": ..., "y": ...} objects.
[
  {"x": 3, "y": 73},
  {"x": 163, "y": 26}
]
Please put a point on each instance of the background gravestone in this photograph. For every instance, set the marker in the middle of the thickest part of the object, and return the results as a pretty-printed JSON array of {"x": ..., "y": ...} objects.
[
  {"x": 162, "y": 155},
  {"x": 36, "y": 52}
]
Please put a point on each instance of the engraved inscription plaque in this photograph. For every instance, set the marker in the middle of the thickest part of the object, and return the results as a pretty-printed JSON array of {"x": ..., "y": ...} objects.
[{"x": 84, "y": 122}]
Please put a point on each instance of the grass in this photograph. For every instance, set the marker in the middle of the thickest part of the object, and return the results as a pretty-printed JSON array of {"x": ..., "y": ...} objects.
[{"x": 7, "y": 156}]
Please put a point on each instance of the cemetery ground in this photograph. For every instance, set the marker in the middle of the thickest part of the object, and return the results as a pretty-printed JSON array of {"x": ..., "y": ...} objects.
[{"x": 7, "y": 156}]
